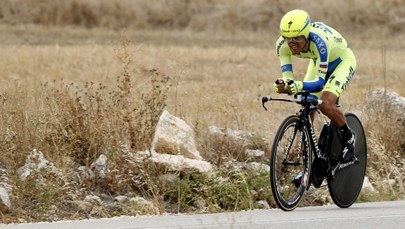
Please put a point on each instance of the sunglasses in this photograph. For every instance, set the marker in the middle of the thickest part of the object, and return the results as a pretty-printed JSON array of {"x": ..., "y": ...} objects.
[{"x": 294, "y": 39}]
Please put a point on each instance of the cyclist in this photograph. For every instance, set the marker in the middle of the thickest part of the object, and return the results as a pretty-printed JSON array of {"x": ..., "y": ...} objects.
[{"x": 331, "y": 67}]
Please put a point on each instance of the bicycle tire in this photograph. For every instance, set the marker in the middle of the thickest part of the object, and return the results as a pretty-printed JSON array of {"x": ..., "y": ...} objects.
[
  {"x": 346, "y": 185},
  {"x": 291, "y": 143}
]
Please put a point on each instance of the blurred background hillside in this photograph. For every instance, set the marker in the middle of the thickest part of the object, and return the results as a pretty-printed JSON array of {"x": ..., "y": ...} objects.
[{"x": 375, "y": 18}]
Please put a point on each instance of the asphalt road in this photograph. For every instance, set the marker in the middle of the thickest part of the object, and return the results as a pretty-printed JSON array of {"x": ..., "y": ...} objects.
[{"x": 387, "y": 215}]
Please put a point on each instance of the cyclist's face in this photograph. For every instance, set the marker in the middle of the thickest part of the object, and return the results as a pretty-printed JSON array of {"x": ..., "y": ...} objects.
[{"x": 296, "y": 44}]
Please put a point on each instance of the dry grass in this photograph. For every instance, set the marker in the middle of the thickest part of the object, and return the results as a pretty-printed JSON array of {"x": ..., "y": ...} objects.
[{"x": 74, "y": 92}]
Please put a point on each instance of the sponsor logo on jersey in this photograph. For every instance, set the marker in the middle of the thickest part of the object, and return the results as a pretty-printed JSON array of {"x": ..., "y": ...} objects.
[
  {"x": 348, "y": 78},
  {"x": 320, "y": 45}
]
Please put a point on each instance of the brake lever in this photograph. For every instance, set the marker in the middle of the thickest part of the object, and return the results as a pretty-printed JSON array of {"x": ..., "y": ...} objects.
[{"x": 264, "y": 100}]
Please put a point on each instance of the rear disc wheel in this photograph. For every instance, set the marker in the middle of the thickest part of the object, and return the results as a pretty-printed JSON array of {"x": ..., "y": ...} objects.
[{"x": 346, "y": 185}]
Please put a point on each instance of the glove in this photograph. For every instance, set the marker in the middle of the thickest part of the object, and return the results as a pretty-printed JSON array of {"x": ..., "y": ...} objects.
[
  {"x": 294, "y": 86},
  {"x": 279, "y": 85}
]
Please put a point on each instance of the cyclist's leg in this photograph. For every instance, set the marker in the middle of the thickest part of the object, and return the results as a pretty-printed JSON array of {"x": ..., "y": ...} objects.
[
  {"x": 334, "y": 87},
  {"x": 329, "y": 108}
]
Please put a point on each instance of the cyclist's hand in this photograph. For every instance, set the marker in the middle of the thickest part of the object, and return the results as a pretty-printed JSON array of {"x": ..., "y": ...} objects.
[
  {"x": 294, "y": 87},
  {"x": 279, "y": 85}
]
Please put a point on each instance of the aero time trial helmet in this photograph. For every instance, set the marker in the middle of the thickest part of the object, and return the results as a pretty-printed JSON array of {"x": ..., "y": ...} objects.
[{"x": 295, "y": 23}]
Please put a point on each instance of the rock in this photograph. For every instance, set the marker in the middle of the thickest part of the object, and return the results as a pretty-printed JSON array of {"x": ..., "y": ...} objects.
[
  {"x": 36, "y": 163},
  {"x": 121, "y": 199},
  {"x": 100, "y": 166},
  {"x": 180, "y": 163},
  {"x": 93, "y": 199},
  {"x": 5, "y": 188},
  {"x": 5, "y": 203},
  {"x": 255, "y": 155},
  {"x": 174, "y": 136},
  {"x": 388, "y": 102},
  {"x": 263, "y": 204},
  {"x": 84, "y": 173},
  {"x": 368, "y": 187}
]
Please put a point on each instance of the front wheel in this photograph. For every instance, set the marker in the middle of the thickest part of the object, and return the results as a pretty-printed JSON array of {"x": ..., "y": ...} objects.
[
  {"x": 290, "y": 163},
  {"x": 346, "y": 185}
]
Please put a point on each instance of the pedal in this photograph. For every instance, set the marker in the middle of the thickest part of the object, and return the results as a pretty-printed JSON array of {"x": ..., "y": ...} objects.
[{"x": 297, "y": 180}]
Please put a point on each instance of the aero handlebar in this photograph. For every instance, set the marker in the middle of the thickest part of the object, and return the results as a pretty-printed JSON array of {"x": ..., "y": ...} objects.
[{"x": 304, "y": 100}]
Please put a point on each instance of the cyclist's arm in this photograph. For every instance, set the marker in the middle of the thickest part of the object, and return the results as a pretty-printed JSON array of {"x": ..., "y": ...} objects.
[
  {"x": 312, "y": 82},
  {"x": 315, "y": 85},
  {"x": 284, "y": 55}
]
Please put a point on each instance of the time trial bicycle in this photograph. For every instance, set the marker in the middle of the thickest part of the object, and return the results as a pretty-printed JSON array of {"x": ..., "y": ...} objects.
[{"x": 299, "y": 159}]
